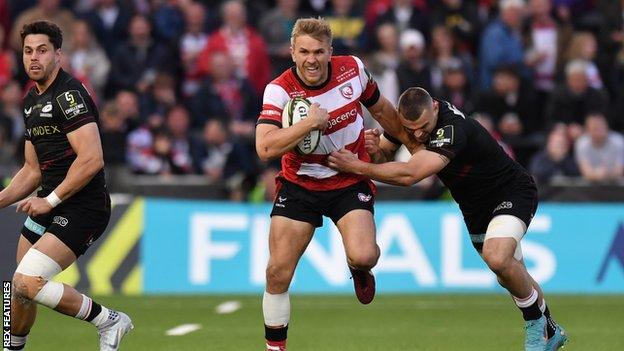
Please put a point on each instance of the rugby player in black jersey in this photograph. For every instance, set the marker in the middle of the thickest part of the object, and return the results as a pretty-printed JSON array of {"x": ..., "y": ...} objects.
[
  {"x": 496, "y": 195},
  {"x": 63, "y": 158}
]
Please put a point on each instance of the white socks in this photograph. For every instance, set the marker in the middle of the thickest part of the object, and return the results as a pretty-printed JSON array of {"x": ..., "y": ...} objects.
[
  {"x": 276, "y": 309},
  {"x": 527, "y": 301}
]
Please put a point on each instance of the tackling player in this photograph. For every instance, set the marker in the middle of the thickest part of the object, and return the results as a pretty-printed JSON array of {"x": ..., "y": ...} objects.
[
  {"x": 63, "y": 156},
  {"x": 496, "y": 195},
  {"x": 307, "y": 188}
]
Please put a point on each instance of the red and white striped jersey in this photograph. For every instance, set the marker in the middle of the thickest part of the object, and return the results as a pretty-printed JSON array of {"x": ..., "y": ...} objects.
[{"x": 349, "y": 84}]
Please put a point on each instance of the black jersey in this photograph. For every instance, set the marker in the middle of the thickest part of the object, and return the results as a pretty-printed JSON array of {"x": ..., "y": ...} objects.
[
  {"x": 62, "y": 108},
  {"x": 479, "y": 169}
]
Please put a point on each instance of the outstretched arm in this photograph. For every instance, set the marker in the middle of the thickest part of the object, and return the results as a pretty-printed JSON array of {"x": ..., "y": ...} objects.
[
  {"x": 422, "y": 164},
  {"x": 25, "y": 181}
]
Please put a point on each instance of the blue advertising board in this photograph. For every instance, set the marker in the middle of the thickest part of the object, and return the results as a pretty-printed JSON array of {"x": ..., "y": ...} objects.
[{"x": 215, "y": 247}]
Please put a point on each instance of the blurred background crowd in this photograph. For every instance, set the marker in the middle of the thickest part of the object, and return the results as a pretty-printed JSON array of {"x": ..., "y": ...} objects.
[{"x": 179, "y": 83}]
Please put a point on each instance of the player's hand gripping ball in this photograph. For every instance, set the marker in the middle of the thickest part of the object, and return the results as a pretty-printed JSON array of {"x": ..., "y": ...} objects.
[{"x": 296, "y": 110}]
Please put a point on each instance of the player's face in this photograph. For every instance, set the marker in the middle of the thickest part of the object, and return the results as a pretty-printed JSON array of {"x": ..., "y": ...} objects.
[
  {"x": 311, "y": 58},
  {"x": 40, "y": 58},
  {"x": 420, "y": 129}
]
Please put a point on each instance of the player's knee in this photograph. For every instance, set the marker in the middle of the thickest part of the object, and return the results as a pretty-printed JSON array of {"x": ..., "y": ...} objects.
[
  {"x": 364, "y": 260},
  {"x": 27, "y": 287},
  {"x": 497, "y": 261},
  {"x": 279, "y": 275}
]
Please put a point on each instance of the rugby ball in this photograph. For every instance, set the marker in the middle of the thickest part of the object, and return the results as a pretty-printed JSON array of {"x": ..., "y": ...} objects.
[{"x": 296, "y": 109}]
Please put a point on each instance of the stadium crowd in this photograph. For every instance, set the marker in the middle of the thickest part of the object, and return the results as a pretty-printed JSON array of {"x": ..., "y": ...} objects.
[{"x": 179, "y": 83}]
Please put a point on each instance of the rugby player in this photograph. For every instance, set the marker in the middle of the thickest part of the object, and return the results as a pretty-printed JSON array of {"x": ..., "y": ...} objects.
[
  {"x": 496, "y": 195},
  {"x": 63, "y": 156},
  {"x": 337, "y": 86}
]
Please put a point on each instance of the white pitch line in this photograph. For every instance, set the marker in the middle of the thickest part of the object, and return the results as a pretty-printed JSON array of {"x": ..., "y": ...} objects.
[
  {"x": 228, "y": 307},
  {"x": 183, "y": 329}
]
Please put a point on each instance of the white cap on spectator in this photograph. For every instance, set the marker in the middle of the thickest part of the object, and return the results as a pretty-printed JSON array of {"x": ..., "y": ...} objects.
[
  {"x": 505, "y": 4},
  {"x": 412, "y": 37},
  {"x": 576, "y": 66}
]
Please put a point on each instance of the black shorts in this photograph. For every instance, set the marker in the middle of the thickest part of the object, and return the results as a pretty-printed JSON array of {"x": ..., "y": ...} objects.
[
  {"x": 519, "y": 200},
  {"x": 295, "y": 202},
  {"x": 74, "y": 225}
]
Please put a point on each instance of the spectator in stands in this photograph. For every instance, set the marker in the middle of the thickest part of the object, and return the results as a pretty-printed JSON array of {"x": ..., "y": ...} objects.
[
  {"x": 546, "y": 42},
  {"x": 384, "y": 61},
  {"x": 7, "y": 61},
  {"x": 149, "y": 148},
  {"x": 160, "y": 96},
  {"x": 114, "y": 134},
  {"x": 348, "y": 27},
  {"x": 191, "y": 44},
  {"x": 127, "y": 103},
  {"x": 444, "y": 54},
  {"x": 10, "y": 111},
  {"x": 573, "y": 100},
  {"x": 508, "y": 97},
  {"x": 168, "y": 20},
  {"x": 87, "y": 59},
  {"x": 461, "y": 18},
  {"x": 600, "y": 151},
  {"x": 182, "y": 141},
  {"x": 583, "y": 46},
  {"x": 225, "y": 96},
  {"x": 8, "y": 164},
  {"x": 405, "y": 15},
  {"x": 219, "y": 156},
  {"x": 555, "y": 159},
  {"x": 455, "y": 88},
  {"x": 245, "y": 46},
  {"x": 109, "y": 21},
  {"x": 136, "y": 61},
  {"x": 275, "y": 27},
  {"x": 414, "y": 69},
  {"x": 501, "y": 42},
  {"x": 45, "y": 9}
]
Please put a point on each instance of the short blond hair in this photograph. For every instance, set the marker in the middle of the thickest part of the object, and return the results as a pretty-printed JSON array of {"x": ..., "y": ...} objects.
[{"x": 317, "y": 28}]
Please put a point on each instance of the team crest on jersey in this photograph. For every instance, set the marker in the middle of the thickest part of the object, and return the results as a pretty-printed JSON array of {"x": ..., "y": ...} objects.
[
  {"x": 347, "y": 91},
  {"x": 443, "y": 137}
]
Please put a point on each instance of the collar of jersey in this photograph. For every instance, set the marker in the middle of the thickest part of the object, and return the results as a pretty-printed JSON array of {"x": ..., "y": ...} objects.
[
  {"x": 315, "y": 87},
  {"x": 58, "y": 77}
]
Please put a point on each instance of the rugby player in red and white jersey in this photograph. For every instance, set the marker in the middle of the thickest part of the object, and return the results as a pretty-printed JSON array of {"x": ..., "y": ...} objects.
[{"x": 307, "y": 188}]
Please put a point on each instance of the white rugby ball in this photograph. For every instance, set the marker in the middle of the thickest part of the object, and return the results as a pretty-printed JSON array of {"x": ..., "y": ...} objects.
[{"x": 296, "y": 109}]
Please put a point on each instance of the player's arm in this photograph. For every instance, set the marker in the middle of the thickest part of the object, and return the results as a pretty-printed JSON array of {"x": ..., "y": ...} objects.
[
  {"x": 388, "y": 117},
  {"x": 89, "y": 160},
  {"x": 273, "y": 141},
  {"x": 421, "y": 165},
  {"x": 25, "y": 181},
  {"x": 379, "y": 147}
]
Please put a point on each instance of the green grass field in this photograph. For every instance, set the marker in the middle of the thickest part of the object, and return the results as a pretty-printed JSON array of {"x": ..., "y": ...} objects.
[{"x": 391, "y": 322}]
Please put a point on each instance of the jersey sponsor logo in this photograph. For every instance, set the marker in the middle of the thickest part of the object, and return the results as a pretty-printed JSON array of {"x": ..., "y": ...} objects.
[
  {"x": 443, "y": 137},
  {"x": 62, "y": 221},
  {"x": 343, "y": 117},
  {"x": 43, "y": 130},
  {"x": 364, "y": 197},
  {"x": 282, "y": 199},
  {"x": 27, "y": 111},
  {"x": 505, "y": 205},
  {"x": 47, "y": 107},
  {"x": 346, "y": 91},
  {"x": 72, "y": 104}
]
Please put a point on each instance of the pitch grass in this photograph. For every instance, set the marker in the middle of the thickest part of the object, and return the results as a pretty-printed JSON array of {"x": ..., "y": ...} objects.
[{"x": 327, "y": 323}]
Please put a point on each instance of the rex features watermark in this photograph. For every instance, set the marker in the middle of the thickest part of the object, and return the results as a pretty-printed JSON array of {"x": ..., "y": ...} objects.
[{"x": 6, "y": 314}]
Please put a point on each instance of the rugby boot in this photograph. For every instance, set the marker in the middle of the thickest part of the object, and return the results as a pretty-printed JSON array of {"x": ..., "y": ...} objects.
[
  {"x": 276, "y": 345},
  {"x": 112, "y": 333},
  {"x": 536, "y": 334},
  {"x": 558, "y": 340},
  {"x": 364, "y": 284}
]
